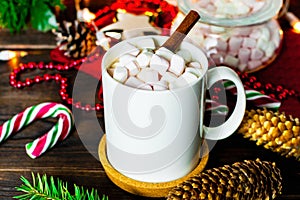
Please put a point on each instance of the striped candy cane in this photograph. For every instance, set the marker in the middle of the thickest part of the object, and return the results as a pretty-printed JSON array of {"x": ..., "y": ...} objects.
[
  {"x": 44, "y": 110},
  {"x": 255, "y": 97}
]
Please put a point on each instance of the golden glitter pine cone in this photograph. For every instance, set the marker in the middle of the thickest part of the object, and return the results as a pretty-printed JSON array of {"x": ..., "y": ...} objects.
[
  {"x": 246, "y": 180},
  {"x": 273, "y": 130}
]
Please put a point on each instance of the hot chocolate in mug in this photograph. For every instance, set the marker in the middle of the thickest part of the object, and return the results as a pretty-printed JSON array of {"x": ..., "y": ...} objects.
[{"x": 155, "y": 136}]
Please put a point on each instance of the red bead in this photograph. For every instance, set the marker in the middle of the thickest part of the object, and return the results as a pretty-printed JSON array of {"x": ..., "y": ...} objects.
[
  {"x": 268, "y": 86},
  {"x": 279, "y": 88},
  {"x": 69, "y": 101},
  {"x": 12, "y": 83},
  {"x": 292, "y": 92},
  {"x": 257, "y": 85},
  {"x": 50, "y": 65},
  {"x": 59, "y": 67},
  {"x": 12, "y": 76},
  {"x": 38, "y": 79},
  {"x": 64, "y": 96},
  {"x": 62, "y": 92},
  {"x": 41, "y": 65},
  {"x": 217, "y": 89},
  {"x": 272, "y": 96},
  {"x": 64, "y": 80},
  {"x": 252, "y": 79},
  {"x": 31, "y": 65},
  {"x": 98, "y": 107},
  {"x": 88, "y": 107},
  {"x": 47, "y": 77},
  {"x": 16, "y": 71},
  {"x": 19, "y": 84},
  {"x": 63, "y": 86},
  {"x": 263, "y": 92},
  {"x": 28, "y": 81},
  {"x": 57, "y": 77},
  {"x": 78, "y": 105},
  {"x": 214, "y": 97},
  {"x": 22, "y": 67}
]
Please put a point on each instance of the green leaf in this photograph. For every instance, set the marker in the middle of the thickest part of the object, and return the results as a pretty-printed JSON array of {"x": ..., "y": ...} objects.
[
  {"x": 43, "y": 189},
  {"x": 42, "y": 17}
]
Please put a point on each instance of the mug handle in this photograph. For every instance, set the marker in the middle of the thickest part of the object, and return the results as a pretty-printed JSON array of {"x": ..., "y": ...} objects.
[{"x": 233, "y": 122}]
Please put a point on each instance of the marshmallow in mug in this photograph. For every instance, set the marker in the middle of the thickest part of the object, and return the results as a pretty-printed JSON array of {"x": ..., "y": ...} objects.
[
  {"x": 245, "y": 48},
  {"x": 155, "y": 69}
]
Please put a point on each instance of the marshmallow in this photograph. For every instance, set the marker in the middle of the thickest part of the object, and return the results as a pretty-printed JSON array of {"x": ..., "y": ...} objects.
[
  {"x": 120, "y": 74},
  {"x": 164, "y": 52},
  {"x": 147, "y": 43},
  {"x": 231, "y": 61},
  {"x": 126, "y": 58},
  {"x": 222, "y": 45},
  {"x": 133, "y": 68},
  {"x": 185, "y": 79},
  {"x": 235, "y": 43},
  {"x": 159, "y": 64},
  {"x": 255, "y": 34},
  {"x": 253, "y": 64},
  {"x": 249, "y": 42},
  {"x": 143, "y": 59},
  {"x": 256, "y": 54},
  {"x": 177, "y": 65},
  {"x": 210, "y": 42},
  {"x": 195, "y": 71},
  {"x": 185, "y": 54},
  {"x": 195, "y": 64},
  {"x": 169, "y": 77},
  {"x": 269, "y": 51},
  {"x": 131, "y": 49},
  {"x": 136, "y": 83},
  {"x": 148, "y": 75},
  {"x": 265, "y": 33},
  {"x": 244, "y": 55},
  {"x": 160, "y": 85}
]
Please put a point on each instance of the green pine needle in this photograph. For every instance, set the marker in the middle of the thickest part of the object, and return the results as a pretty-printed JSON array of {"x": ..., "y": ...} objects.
[{"x": 42, "y": 188}]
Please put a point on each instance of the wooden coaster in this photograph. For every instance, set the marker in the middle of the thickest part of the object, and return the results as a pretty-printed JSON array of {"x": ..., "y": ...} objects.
[{"x": 144, "y": 188}]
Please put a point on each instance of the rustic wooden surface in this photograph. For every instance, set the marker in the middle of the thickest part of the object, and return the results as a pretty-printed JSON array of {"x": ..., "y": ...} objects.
[{"x": 70, "y": 160}]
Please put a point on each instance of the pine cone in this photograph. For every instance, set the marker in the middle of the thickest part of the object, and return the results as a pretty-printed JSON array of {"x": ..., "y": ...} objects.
[
  {"x": 75, "y": 39},
  {"x": 274, "y": 130},
  {"x": 242, "y": 180}
]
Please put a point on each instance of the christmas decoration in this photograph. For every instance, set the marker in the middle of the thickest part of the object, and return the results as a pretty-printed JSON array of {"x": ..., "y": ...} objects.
[
  {"x": 75, "y": 39},
  {"x": 45, "y": 188},
  {"x": 14, "y": 79},
  {"x": 242, "y": 180},
  {"x": 44, "y": 110},
  {"x": 273, "y": 130},
  {"x": 16, "y": 15},
  {"x": 254, "y": 97}
]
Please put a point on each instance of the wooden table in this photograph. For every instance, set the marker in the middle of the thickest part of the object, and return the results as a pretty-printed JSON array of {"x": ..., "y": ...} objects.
[{"x": 70, "y": 160}]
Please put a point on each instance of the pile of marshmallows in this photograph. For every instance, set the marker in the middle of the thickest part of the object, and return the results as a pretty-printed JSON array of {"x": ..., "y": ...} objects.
[
  {"x": 245, "y": 48},
  {"x": 230, "y": 8},
  {"x": 144, "y": 67}
]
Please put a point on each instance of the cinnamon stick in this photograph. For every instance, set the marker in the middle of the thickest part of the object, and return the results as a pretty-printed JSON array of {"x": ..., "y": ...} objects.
[{"x": 183, "y": 29}]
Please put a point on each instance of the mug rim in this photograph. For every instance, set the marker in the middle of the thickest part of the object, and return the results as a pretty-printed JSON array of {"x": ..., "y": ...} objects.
[{"x": 155, "y": 37}]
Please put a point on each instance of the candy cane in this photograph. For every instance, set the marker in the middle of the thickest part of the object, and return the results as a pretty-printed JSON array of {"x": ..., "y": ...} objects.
[
  {"x": 255, "y": 97},
  {"x": 44, "y": 110}
]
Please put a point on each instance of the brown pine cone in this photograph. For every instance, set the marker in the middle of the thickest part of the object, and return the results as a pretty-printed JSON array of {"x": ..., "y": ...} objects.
[
  {"x": 75, "y": 39},
  {"x": 274, "y": 130},
  {"x": 246, "y": 180}
]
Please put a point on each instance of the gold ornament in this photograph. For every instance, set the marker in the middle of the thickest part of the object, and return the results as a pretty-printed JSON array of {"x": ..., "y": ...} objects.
[
  {"x": 273, "y": 130},
  {"x": 242, "y": 180}
]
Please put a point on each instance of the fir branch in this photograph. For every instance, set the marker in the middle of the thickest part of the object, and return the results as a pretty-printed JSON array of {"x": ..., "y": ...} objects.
[{"x": 44, "y": 189}]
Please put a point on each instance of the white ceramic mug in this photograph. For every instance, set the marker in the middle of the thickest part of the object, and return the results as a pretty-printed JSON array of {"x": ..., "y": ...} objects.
[{"x": 154, "y": 136}]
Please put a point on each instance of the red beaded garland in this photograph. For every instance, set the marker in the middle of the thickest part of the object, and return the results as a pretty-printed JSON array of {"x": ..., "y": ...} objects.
[
  {"x": 277, "y": 92},
  {"x": 63, "y": 81}
]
